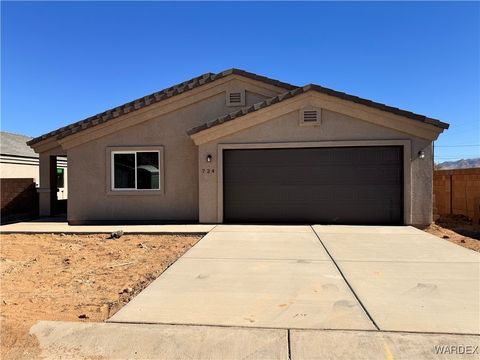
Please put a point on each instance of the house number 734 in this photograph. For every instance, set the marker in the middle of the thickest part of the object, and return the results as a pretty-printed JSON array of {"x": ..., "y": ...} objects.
[{"x": 208, "y": 171}]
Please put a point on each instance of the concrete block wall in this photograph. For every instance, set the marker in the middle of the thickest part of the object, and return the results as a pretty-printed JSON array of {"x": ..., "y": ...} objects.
[
  {"x": 457, "y": 192},
  {"x": 18, "y": 197}
]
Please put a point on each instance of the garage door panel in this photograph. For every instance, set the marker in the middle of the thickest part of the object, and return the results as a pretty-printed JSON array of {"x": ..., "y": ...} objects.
[
  {"x": 361, "y": 185},
  {"x": 249, "y": 192},
  {"x": 297, "y": 213},
  {"x": 287, "y": 176}
]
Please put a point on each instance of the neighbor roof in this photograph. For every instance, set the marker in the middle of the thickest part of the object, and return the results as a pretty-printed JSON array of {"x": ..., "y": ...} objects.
[
  {"x": 312, "y": 87},
  {"x": 15, "y": 144},
  {"x": 153, "y": 99}
]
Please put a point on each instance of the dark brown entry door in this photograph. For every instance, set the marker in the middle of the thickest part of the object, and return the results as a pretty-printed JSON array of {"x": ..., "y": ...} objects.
[{"x": 338, "y": 185}]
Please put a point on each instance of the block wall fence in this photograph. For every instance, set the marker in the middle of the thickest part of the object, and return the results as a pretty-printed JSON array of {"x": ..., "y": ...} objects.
[
  {"x": 18, "y": 197},
  {"x": 457, "y": 192}
]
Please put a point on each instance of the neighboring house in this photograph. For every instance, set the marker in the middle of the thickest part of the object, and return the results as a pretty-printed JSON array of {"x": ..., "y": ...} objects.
[
  {"x": 19, "y": 174},
  {"x": 239, "y": 147},
  {"x": 19, "y": 161}
]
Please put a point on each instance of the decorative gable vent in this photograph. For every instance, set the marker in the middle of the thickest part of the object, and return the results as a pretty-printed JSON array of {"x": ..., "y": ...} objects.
[
  {"x": 236, "y": 98},
  {"x": 310, "y": 116}
]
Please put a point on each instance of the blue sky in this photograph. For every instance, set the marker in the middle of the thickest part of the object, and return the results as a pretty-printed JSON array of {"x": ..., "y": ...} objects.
[{"x": 64, "y": 61}]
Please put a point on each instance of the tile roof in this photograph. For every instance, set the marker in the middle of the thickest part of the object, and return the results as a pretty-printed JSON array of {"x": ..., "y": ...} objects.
[
  {"x": 15, "y": 144},
  {"x": 312, "y": 87},
  {"x": 152, "y": 99}
]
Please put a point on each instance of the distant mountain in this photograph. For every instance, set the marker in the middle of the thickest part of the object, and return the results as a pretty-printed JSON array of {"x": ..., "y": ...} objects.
[{"x": 459, "y": 164}]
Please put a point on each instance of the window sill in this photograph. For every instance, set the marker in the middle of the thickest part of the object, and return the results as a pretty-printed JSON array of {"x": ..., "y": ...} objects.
[{"x": 135, "y": 192}]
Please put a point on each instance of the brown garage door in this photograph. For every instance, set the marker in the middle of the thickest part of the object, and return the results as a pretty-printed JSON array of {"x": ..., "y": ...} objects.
[{"x": 341, "y": 185}]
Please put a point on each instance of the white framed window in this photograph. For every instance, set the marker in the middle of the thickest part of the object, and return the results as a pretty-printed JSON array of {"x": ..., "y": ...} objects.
[{"x": 135, "y": 170}]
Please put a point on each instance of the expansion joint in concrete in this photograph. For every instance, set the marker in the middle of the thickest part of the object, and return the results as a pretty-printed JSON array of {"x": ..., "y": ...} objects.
[
  {"x": 346, "y": 281},
  {"x": 289, "y": 348}
]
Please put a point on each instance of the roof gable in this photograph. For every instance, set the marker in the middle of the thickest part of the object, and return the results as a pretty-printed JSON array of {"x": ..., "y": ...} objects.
[
  {"x": 382, "y": 114},
  {"x": 320, "y": 89},
  {"x": 151, "y": 99}
]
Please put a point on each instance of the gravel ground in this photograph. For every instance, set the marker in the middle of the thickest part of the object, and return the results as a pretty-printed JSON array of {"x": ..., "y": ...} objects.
[{"x": 457, "y": 229}]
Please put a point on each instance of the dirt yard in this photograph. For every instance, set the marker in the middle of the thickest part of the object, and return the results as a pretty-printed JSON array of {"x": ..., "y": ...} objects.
[
  {"x": 457, "y": 229},
  {"x": 74, "y": 278}
]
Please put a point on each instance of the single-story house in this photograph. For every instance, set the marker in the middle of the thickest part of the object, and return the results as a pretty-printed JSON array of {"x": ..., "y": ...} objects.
[{"x": 240, "y": 147}]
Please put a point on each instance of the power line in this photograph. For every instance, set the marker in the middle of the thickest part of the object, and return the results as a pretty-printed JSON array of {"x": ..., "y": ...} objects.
[
  {"x": 456, "y": 157},
  {"x": 457, "y": 145}
]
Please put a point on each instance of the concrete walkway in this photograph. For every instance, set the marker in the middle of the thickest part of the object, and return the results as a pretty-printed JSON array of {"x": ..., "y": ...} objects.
[
  {"x": 75, "y": 340},
  {"x": 321, "y": 277},
  {"x": 62, "y": 227}
]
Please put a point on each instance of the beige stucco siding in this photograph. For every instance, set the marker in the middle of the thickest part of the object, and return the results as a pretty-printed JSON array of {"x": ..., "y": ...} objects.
[
  {"x": 8, "y": 171},
  {"x": 90, "y": 198},
  {"x": 334, "y": 127}
]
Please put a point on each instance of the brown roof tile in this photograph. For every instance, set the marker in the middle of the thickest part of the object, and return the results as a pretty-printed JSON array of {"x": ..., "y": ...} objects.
[
  {"x": 320, "y": 89},
  {"x": 152, "y": 99}
]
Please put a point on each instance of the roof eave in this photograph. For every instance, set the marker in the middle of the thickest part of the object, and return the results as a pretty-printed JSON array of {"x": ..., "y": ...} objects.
[
  {"x": 326, "y": 91},
  {"x": 152, "y": 99},
  {"x": 394, "y": 118}
]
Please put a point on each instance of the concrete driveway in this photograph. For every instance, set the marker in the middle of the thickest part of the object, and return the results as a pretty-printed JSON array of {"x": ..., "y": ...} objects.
[
  {"x": 320, "y": 277},
  {"x": 408, "y": 280}
]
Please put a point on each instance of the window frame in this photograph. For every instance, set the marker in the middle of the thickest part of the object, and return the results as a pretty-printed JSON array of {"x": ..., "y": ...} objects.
[{"x": 110, "y": 183}]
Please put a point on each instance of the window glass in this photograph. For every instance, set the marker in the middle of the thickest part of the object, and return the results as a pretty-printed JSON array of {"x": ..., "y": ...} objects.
[
  {"x": 147, "y": 170},
  {"x": 60, "y": 178},
  {"x": 124, "y": 171}
]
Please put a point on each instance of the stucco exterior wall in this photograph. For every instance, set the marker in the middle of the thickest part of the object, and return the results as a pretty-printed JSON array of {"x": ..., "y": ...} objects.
[
  {"x": 10, "y": 171},
  {"x": 334, "y": 127},
  {"x": 90, "y": 196}
]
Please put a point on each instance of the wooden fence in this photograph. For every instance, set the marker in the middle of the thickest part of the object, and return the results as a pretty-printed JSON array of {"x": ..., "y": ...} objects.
[{"x": 457, "y": 192}]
